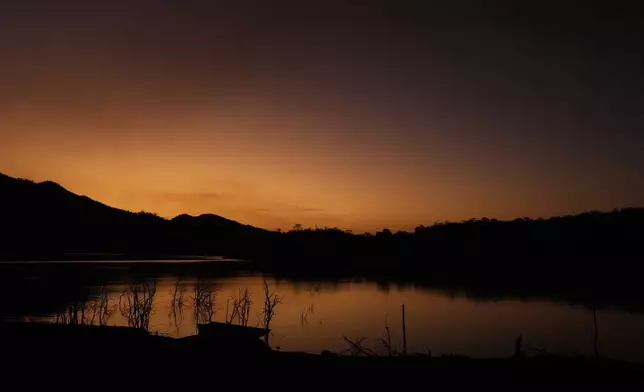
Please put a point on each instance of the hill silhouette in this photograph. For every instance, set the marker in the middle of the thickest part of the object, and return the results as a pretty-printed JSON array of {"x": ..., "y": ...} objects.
[
  {"x": 45, "y": 219},
  {"x": 590, "y": 257}
]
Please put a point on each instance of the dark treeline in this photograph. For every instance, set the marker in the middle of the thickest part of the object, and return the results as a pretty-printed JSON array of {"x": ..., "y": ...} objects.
[
  {"x": 618, "y": 233},
  {"x": 593, "y": 258},
  {"x": 593, "y": 255}
]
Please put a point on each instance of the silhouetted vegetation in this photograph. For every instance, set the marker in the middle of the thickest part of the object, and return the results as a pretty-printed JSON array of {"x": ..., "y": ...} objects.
[
  {"x": 177, "y": 293},
  {"x": 136, "y": 304},
  {"x": 73, "y": 314},
  {"x": 204, "y": 300},
  {"x": 593, "y": 258},
  {"x": 271, "y": 300},
  {"x": 238, "y": 307},
  {"x": 96, "y": 311},
  {"x": 177, "y": 304},
  {"x": 357, "y": 349}
]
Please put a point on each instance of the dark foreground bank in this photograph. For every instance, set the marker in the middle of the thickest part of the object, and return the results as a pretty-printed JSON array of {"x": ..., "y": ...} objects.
[{"x": 126, "y": 357}]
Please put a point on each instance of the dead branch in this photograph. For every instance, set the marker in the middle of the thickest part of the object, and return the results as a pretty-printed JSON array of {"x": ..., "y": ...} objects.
[{"x": 136, "y": 304}]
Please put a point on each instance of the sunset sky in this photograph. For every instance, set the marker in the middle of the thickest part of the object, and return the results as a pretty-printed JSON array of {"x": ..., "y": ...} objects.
[{"x": 356, "y": 114}]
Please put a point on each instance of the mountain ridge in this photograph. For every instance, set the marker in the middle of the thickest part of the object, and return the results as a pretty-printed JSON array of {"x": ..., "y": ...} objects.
[
  {"x": 42, "y": 217},
  {"x": 54, "y": 186}
]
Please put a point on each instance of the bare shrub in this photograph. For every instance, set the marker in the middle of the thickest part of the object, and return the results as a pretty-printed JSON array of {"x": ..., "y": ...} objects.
[
  {"x": 204, "y": 300},
  {"x": 271, "y": 300},
  {"x": 101, "y": 309},
  {"x": 75, "y": 313},
  {"x": 177, "y": 304},
  {"x": 357, "y": 349},
  {"x": 177, "y": 293},
  {"x": 136, "y": 304},
  {"x": 238, "y": 307},
  {"x": 386, "y": 342}
]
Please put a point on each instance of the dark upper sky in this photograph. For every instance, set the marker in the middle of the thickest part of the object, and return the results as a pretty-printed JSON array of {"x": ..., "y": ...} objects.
[{"x": 360, "y": 114}]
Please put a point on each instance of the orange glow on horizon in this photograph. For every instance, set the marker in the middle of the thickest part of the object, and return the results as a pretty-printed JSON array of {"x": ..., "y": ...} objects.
[{"x": 351, "y": 118}]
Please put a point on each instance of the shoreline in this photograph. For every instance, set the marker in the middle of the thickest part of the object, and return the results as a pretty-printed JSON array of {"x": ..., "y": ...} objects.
[{"x": 31, "y": 348}]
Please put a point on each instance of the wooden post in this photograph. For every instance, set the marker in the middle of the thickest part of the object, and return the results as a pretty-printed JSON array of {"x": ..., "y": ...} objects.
[
  {"x": 404, "y": 327},
  {"x": 595, "y": 331}
]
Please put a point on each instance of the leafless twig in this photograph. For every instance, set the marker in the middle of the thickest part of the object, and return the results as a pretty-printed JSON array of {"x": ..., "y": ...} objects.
[
  {"x": 271, "y": 300},
  {"x": 356, "y": 348},
  {"x": 204, "y": 300},
  {"x": 238, "y": 307},
  {"x": 386, "y": 343},
  {"x": 136, "y": 304}
]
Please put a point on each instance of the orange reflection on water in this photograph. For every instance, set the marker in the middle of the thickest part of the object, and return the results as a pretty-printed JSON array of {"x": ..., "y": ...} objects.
[{"x": 314, "y": 317}]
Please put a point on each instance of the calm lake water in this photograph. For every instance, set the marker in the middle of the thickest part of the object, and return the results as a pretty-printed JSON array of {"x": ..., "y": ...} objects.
[{"x": 315, "y": 316}]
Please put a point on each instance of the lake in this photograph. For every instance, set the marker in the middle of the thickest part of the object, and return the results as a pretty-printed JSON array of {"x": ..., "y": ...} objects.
[{"x": 318, "y": 315}]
